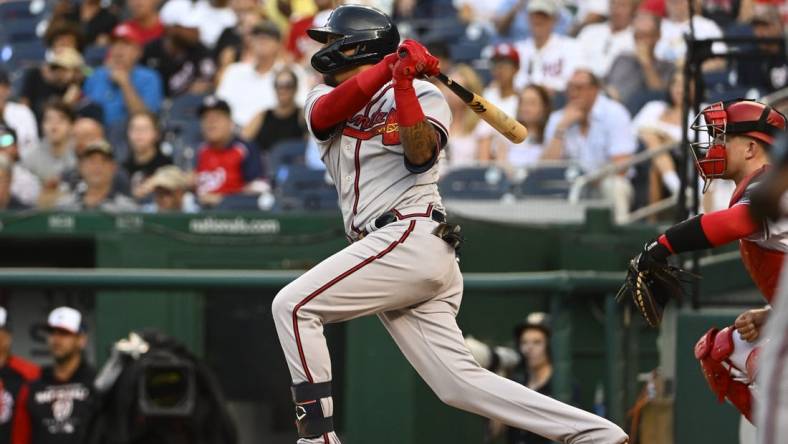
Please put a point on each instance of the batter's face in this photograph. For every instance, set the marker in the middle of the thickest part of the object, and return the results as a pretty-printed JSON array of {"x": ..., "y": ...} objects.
[
  {"x": 339, "y": 77},
  {"x": 64, "y": 345},
  {"x": 533, "y": 346}
]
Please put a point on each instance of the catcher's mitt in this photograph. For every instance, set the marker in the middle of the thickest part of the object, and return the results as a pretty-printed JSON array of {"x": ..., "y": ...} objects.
[{"x": 652, "y": 282}]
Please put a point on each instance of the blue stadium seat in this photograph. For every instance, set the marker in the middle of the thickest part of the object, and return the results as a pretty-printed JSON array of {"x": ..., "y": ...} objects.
[
  {"x": 544, "y": 182},
  {"x": 479, "y": 183},
  {"x": 726, "y": 94},
  {"x": 238, "y": 202},
  {"x": 94, "y": 55},
  {"x": 15, "y": 10},
  {"x": 22, "y": 55},
  {"x": 185, "y": 106},
  {"x": 284, "y": 153},
  {"x": 636, "y": 102},
  {"x": 19, "y": 30},
  {"x": 302, "y": 188}
]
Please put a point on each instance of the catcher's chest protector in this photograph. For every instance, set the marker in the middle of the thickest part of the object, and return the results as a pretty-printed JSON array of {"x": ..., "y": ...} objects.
[{"x": 764, "y": 266}]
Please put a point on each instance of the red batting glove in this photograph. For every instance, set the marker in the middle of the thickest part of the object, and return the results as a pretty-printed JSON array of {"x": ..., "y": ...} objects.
[{"x": 414, "y": 61}]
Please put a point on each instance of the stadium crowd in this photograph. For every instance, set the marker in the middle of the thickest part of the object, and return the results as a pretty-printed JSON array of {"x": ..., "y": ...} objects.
[{"x": 190, "y": 105}]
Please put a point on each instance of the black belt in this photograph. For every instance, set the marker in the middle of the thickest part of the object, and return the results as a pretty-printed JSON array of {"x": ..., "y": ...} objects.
[{"x": 392, "y": 216}]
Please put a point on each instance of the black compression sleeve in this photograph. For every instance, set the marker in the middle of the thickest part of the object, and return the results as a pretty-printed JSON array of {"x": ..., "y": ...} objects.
[{"x": 688, "y": 236}]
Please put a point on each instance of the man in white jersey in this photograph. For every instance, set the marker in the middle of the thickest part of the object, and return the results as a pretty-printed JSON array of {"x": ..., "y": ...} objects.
[{"x": 380, "y": 131}]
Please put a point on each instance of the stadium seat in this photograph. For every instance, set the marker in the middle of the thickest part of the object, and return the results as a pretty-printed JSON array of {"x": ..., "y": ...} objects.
[
  {"x": 22, "y": 55},
  {"x": 238, "y": 202},
  {"x": 284, "y": 153},
  {"x": 544, "y": 182},
  {"x": 636, "y": 102},
  {"x": 185, "y": 106},
  {"x": 14, "y": 10},
  {"x": 302, "y": 188},
  {"x": 94, "y": 55},
  {"x": 478, "y": 183},
  {"x": 19, "y": 30}
]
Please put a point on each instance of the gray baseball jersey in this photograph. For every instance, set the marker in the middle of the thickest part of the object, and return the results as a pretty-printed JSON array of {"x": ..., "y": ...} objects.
[
  {"x": 365, "y": 158},
  {"x": 406, "y": 276}
]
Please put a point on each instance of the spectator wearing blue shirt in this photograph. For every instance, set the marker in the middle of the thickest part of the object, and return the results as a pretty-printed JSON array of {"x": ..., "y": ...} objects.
[
  {"x": 512, "y": 24},
  {"x": 122, "y": 86},
  {"x": 593, "y": 131}
]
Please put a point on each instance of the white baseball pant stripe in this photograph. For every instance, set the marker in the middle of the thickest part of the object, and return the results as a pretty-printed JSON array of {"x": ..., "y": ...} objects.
[{"x": 411, "y": 280}]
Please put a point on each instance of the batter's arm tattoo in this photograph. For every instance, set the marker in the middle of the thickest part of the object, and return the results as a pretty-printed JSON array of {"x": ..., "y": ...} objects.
[{"x": 420, "y": 142}]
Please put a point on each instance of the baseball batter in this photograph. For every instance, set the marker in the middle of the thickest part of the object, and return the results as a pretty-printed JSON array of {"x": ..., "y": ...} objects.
[{"x": 380, "y": 131}]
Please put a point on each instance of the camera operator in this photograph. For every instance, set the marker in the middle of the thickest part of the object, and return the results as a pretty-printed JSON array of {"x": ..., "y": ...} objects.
[{"x": 60, "y": 401}]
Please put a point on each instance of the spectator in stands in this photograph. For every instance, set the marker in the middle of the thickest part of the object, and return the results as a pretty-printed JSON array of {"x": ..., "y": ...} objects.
[
  {"x": 546, "y": 58},
  {"x": 659, "y": 124},
  {"x": 479, "y": 14},
  {"x": 15, "y": 375},
  {"x": 283, "y": 122},
  {"x": 209, "y": 17},
  {"x": 25, "y": 186},
  {"x": 86, "y": 131},
  {"x": 505, "y": 63},
  {"x": 95, "y": 21},
  {"x": 97, "y": 190},
  {"x": 225, "y": 164},
  {"x": 122, "y": 86},
  {"x": 593, "y": 131},
  {"x": 641, "y": 71},
  {"x": 671, "y": 45},
  {"x": 18, "y": 117},
  {"x": 233, "y": 44},
  {"x": 145, "y": 20},
  {"x": 146, "y": 157},
  {"x": 768, "y": 73},
  {"x": 534, "y": 108},
  {"x": 60, "y": 77},
  {"x": 602, "y": 43},
  {"x": 513, "y": 19},
  {"x": 7, "y": 199},
  {"x": 300, "y": 46},
  {"x": 64, "y": 34},
  {"x": 54, "y": 157},
  {"x": 184, "y": 64},
  {"x": 248, "y": 86},
  {"x": 462, "y": 148},
  {"x": 170, "y": 187},
  {"x": 61, "y": 399}
]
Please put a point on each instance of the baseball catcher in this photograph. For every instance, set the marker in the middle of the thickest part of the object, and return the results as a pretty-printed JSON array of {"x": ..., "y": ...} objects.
[{"x": 738, "y": 136}]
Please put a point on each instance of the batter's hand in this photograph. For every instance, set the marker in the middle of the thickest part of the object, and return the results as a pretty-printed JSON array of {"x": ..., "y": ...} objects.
[
  {"x": 749, "y": 323},
  {"x": 414, "y": 61}
]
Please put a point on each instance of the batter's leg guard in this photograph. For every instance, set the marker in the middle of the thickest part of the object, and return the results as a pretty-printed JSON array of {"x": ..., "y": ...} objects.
[
  {"x": 712, "y": 350},
  {"x": 310, "y": 419}
]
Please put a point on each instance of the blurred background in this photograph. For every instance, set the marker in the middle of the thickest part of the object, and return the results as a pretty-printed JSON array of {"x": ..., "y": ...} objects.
[{"x": 114, "y": 201}]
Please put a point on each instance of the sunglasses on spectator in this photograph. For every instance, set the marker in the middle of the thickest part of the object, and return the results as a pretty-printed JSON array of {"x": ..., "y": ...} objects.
[{"x": 284, "y": 85}]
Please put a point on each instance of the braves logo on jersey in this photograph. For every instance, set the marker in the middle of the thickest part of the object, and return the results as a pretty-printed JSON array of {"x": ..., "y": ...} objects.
[{"x": 380, "y": 122}]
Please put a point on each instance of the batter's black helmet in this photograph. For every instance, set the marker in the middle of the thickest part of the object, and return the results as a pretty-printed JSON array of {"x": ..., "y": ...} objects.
[{"x": 354, "y": 26}]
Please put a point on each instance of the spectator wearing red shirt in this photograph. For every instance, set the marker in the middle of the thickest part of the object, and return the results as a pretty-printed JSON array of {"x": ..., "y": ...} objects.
[
  {"x": 225, "y": 164},
  {"x": 15, "y": 375},
  {"x": 145, "y": 19}
]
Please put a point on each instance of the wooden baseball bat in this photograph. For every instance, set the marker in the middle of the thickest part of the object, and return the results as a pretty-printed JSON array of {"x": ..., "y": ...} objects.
[{"x": 502, "y": 122}]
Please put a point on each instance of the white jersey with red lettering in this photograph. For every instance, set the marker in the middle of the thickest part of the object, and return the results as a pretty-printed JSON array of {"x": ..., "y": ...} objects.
[{"x": 365, "y": 159}]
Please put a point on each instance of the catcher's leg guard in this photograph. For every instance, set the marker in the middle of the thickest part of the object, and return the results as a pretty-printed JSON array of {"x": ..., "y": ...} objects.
[
  {"x": 713, "y": 350},
  {"x": 310, "y": 418}
]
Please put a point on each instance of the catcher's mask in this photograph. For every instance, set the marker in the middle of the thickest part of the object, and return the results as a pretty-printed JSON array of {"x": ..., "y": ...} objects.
[
  {"x": 736, "y": 117},
  {"x": 367, "y": 30}
]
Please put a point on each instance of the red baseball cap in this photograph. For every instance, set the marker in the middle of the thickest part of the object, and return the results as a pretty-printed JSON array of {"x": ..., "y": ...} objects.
[
  {"x": 506, "y": 51},
  {"x": 128, "y": 33}
]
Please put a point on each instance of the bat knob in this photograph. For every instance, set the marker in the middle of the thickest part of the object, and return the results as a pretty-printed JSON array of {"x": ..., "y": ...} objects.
[{"x": 402, "y": 53}]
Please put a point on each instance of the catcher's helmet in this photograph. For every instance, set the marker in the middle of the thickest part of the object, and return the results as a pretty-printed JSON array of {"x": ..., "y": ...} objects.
[
  {"x": 737, "y": 117},
  {"x": 369, "y": 30}
]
